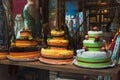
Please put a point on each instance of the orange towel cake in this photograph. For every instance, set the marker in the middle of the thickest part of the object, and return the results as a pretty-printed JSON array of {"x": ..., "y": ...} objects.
[
  {"x": 3, "y": 47},
  {"x": 57, "y": 52},
  {"x": 3, "y": 52},
  {"x": 24, "y": 48}
]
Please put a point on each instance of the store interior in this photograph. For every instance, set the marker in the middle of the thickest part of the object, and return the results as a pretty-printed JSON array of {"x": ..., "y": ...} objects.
[{"x": 75, "y": 18}]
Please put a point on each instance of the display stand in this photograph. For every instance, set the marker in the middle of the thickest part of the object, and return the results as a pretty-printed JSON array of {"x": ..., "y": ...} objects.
[{"x": 112, "y": 72}]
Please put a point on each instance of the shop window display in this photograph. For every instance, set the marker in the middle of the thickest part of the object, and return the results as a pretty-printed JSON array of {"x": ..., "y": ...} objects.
[{"x": 73, "y": 19}]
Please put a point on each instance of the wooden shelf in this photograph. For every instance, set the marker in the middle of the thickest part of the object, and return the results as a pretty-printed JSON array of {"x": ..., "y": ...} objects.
[
  {"x": 113, "y": 72},
  {"x": 99, "y": 18},
  {"x": 93, "y": 14},
  {"x": 98, "y": 22}
]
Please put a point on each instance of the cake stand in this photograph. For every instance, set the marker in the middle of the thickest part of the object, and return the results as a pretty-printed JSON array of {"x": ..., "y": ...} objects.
[
  {"x": 53, "y": 62},
  {"x": 94, "y": 67},
  {"x": 22, "y": 60}
]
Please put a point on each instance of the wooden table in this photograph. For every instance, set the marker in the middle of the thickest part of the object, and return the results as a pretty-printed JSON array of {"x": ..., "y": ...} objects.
[{"x": 113, "y": 72}]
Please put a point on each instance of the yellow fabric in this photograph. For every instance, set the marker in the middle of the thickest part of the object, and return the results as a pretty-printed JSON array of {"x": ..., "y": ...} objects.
[{"x": 57, "y": 52}]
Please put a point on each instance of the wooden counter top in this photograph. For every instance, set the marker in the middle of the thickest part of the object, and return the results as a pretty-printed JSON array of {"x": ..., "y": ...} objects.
[{"x": 66, "y": 68}]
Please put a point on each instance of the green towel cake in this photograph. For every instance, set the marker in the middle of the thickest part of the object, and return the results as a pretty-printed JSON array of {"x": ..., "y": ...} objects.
[{"x": 94, "y": 53}]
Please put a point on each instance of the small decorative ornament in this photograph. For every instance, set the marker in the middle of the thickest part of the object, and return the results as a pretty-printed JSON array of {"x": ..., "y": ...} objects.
[
  {"x": 97, "y": 38},
  {"x": 95, "y": 28},
  {"x": 103, "y": 49},
  {"x": 112, "y": 40},
  {"x": 12, "y": 44},
  {"x": 85, "y": 48},
  {"x": 26, "y": 28},
  {"x": 86, "y": 37},
  {"x": 3, "y": 47}
]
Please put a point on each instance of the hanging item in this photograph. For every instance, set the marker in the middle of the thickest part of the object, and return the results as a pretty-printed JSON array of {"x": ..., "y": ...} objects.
[
  {"x": 29, "y": 12},
  {"x": 8, "y": 19},
  {"x": 17, "y": 6},
  {"x": 3, "y": 31},
  {"x": 2, "y": 27},
  {"x": 18, "y": 25}
]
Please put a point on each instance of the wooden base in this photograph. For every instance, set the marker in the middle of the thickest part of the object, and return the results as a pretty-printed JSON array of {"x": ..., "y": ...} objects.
[{"x": 45, "y": 68}]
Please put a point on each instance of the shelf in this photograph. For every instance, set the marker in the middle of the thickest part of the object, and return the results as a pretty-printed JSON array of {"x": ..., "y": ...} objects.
[
  {"x": 93, "y": 14},
  {"x": 113, "y": 72},
  {"x": 99, "y": 18},
  {"x": 98, "y": 22}
]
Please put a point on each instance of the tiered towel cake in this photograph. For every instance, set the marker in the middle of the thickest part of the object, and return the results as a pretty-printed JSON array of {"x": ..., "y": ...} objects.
[
  {"x": 94, "y": 53},
  {"x": 24, "y": 48},
  {"x": 57, "y": 52}
]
